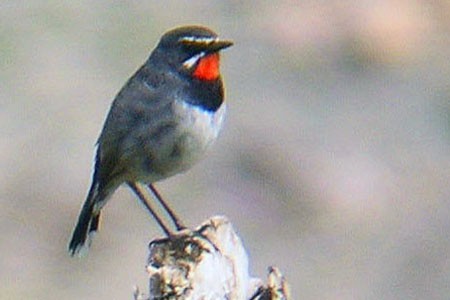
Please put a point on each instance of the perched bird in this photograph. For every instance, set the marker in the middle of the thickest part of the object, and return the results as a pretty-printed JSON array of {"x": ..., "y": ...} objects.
[{"x": 160, "y": 123}]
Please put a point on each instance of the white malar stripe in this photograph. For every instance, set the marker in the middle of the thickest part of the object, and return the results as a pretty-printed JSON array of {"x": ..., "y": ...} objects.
[
  {"x": 199, "y": 40},
  {"x": 188, "y": 63}
]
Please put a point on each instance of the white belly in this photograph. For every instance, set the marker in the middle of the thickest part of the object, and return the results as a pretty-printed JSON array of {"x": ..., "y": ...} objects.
[
  {"x": 180, "y": 149},
  {"x": 196, "y": 132}
]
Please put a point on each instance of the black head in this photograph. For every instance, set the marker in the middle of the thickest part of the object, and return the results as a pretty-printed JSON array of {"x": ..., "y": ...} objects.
[{"x": 183, "y": 47}]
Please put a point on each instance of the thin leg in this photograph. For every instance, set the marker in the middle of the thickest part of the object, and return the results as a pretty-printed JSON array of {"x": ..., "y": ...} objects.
[
  {"x": 178, "y": 224},
  {"x": 137, "y": 189}
]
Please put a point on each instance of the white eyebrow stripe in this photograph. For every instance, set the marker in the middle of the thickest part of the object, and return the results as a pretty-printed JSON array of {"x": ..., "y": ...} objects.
[
  {"x": 188, "y": 63},
  {"x": 199, "y": 40}
]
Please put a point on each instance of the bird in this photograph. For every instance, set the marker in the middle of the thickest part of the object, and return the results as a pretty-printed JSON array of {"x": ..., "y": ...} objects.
[{"x": 159, "y": 124}]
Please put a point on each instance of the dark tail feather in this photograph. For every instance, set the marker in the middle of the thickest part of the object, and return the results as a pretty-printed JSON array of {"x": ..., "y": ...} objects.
[
  {"x": 93, "y": 227},
  {"x": 86, "y": 226}
]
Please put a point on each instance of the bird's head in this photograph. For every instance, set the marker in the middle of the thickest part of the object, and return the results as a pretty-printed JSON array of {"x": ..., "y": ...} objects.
[{"x": 193, "y": 50}]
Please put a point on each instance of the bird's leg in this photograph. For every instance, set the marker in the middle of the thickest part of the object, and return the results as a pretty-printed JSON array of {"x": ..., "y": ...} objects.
[
  {"x": 178, "y": 224},
  {"x": 137, "y": 189}
]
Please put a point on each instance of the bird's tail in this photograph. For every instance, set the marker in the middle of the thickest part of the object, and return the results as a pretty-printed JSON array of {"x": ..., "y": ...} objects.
[{"x": 87, "y": 224}]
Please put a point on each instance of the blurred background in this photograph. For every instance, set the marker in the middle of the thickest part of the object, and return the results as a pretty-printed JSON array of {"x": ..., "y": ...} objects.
[{"x": 334, "y": 163}]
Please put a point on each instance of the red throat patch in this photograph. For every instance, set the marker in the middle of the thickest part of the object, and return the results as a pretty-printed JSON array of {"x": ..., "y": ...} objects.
[{"x": 208, "y": 67}]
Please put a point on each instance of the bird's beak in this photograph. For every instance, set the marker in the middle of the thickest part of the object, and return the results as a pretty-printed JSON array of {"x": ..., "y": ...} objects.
[{"x": 218, "y": 45}]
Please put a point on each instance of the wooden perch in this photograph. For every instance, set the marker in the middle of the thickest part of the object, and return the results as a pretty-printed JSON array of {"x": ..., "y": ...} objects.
[{"x": 205, "y": 264}]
